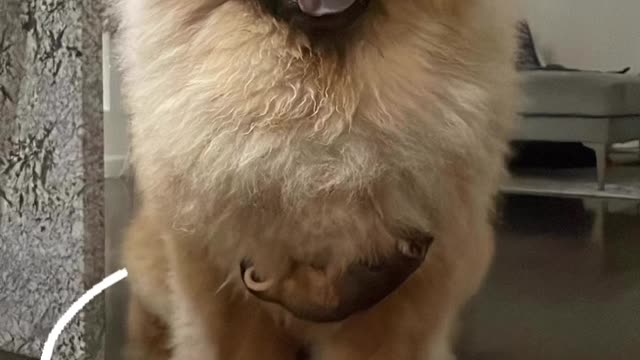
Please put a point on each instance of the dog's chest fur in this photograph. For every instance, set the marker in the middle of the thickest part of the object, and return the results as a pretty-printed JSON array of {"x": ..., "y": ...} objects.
[{"x": 249, "y": 129}]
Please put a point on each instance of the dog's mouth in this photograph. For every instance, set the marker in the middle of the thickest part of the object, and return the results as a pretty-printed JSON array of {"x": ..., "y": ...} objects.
[{"x": 322, "y": 16}]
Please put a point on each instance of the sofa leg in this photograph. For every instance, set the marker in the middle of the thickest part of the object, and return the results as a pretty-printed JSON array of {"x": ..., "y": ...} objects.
[{"x": 601, "y": 151}]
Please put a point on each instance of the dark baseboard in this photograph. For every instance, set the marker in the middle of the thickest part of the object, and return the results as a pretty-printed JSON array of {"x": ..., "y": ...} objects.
[{"x": 9, "y": 356}]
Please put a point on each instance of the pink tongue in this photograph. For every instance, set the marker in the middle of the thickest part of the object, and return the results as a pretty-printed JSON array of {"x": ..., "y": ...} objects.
[{"x": 324, "y": 7}]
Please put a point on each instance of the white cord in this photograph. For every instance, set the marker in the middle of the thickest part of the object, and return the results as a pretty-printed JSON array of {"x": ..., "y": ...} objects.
[{"x": 66, "y": 318}]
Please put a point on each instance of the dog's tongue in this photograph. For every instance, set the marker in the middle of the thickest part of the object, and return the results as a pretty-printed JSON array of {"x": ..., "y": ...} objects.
[{"x": 324, "y": 7}]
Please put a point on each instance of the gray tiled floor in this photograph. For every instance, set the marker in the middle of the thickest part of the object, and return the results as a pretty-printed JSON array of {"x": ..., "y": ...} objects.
[{"x": 555, "y": 294}]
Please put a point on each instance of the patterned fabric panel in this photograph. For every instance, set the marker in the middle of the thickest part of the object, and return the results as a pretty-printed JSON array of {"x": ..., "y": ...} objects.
[{"x": 527, "y": 55}]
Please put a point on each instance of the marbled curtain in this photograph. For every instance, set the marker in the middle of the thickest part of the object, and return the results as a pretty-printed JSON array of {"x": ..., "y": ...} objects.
[{"x": 51, "y": 174}]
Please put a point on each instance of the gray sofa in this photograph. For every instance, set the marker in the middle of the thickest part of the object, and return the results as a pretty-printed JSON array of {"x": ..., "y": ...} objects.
[{"x": 595, "y": 108}]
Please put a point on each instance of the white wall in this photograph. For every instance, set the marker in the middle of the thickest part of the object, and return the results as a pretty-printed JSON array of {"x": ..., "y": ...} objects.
[
  {"x": 116, "y": 140},
  {"x": 588, "y": 34}
]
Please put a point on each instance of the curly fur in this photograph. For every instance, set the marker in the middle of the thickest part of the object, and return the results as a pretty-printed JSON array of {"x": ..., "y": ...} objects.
[{"x": 250, "y": 139}]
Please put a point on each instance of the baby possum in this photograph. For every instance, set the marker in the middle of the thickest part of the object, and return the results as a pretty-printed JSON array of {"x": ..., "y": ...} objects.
[{"x": 316, "y": 176}]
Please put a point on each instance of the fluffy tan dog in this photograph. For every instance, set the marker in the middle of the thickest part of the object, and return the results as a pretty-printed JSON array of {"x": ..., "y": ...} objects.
[{"x": 317, "y": 177}]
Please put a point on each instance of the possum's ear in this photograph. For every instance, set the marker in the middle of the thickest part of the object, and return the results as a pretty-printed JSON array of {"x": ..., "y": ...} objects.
[{"x": 309, "y": 294}]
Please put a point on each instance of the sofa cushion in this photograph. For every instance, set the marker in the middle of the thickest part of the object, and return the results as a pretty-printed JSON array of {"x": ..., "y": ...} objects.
[{"x": 580, "y": 94}]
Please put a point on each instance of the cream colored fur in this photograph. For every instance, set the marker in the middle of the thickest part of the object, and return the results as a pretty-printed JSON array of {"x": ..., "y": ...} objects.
[{"x": 246, "y": 142}]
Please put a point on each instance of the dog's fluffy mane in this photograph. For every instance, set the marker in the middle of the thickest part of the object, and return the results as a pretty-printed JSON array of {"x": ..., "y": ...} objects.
[{"x": 235, "y": 113}]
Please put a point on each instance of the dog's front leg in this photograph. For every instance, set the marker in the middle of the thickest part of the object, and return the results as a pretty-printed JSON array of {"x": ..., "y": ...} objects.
[
  {"x": 215, "y": 322},
  {"x": 415, "y": 323}
]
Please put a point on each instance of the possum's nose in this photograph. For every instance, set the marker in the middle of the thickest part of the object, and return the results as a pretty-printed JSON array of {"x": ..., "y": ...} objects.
[
  {"x": 308, "y": 293},
  {"x": 320, "y": 15}
]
